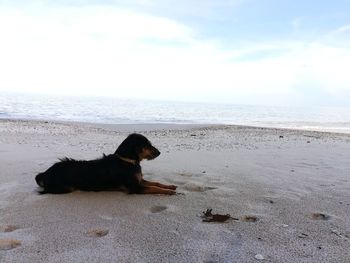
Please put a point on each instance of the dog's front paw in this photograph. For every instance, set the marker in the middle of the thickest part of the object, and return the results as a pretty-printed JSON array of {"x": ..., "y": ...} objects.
[{"x": 172, "y": 187}]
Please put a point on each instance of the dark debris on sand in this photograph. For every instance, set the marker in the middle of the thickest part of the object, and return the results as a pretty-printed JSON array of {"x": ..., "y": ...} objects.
[{"x": 209, "y": 217}]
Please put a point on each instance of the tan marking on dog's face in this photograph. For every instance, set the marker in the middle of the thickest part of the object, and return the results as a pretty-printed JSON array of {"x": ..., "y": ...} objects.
[
  {"x": 149, "y": 153},
  {"x": 146, "y": 154}
]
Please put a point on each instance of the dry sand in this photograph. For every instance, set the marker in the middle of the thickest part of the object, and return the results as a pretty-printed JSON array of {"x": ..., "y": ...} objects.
[{"x": 295, "y": 183}]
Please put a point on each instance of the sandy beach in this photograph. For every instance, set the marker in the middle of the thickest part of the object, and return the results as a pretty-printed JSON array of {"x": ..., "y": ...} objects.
[{"x": 289, "y": 190}]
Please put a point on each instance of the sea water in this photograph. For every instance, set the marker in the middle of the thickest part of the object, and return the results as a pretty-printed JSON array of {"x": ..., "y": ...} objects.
[{"x": 110, "y": 110}]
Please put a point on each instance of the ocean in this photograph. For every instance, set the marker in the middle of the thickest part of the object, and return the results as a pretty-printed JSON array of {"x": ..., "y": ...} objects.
[{"x": 132, "y": 111}]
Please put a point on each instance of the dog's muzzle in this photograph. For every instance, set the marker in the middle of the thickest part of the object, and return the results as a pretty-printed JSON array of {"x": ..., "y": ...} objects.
[{"x": 156, "y": 152}]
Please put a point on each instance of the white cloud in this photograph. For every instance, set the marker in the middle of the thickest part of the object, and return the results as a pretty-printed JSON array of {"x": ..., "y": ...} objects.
[
  {"x": 108, "y": 51},
  {"x": 343, "y": 29}
]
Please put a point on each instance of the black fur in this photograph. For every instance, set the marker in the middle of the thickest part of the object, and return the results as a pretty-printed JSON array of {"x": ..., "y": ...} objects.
[{"x": 107, "y": 173}]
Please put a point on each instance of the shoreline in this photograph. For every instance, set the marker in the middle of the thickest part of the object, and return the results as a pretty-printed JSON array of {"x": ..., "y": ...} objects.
[
  {"x": 289, "y": 190},
  {"x": 140, "y": 127}
]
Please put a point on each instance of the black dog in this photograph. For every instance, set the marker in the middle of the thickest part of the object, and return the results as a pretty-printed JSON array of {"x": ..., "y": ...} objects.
[{"x": 112, "y": 172}]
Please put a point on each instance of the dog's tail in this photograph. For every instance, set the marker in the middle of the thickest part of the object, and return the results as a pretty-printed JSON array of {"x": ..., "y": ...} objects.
[
  {"x": 40, "y": 179},
  {"x": 47, "y": 184}
]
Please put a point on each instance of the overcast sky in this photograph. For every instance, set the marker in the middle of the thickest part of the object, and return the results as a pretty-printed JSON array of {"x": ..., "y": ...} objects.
[{"x": 275, "y": 52}]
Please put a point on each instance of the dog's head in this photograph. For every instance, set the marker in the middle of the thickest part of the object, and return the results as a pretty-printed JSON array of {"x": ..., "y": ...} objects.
[{"x": 137, "y": 147}]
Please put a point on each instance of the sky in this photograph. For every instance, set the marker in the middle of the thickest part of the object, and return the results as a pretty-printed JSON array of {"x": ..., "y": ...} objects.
[{"x": 267, "y": 52}]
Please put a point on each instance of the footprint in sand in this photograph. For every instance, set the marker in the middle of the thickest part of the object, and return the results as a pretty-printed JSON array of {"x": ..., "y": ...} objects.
[
  {"x": 320, "y": 216},
  {"x": 7, "y": 244},
  {"x": 249, "y": 219},
  {"x": 97, "y": 232},
  {"x": 157, "y": 209},
  {"x": 8, "y": 228}
]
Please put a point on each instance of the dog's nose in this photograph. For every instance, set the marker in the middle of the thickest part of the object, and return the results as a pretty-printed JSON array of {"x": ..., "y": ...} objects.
[{"x": 156, "y": 152}]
